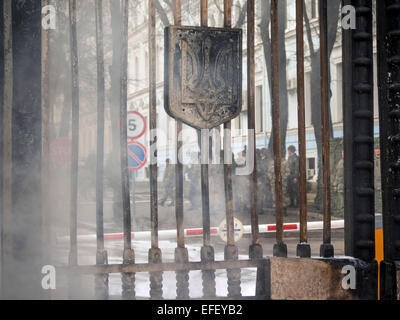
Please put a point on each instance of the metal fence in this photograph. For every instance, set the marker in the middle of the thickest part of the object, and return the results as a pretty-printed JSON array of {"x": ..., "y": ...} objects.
[{"x": 358, "y": 109}]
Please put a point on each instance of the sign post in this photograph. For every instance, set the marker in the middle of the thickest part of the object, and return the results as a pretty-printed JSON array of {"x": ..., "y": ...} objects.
[{"x": 137, "y": 153}]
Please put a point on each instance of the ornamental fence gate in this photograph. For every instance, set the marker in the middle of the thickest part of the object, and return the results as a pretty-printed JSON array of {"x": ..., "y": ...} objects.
[{"x": 203, "y": 89}]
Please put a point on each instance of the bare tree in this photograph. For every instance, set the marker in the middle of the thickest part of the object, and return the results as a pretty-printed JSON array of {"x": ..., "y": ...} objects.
[
  {"x": 266, "y": 40},
  {"x": 333, "y": 7}
]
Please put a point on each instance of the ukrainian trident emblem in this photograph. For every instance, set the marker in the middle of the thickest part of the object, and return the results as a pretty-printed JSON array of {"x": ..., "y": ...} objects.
[{"x": 203, "y": 75}]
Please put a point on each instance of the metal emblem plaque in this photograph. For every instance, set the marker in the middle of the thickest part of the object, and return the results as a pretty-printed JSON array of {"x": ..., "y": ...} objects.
[{"x": 203, "y": 75}]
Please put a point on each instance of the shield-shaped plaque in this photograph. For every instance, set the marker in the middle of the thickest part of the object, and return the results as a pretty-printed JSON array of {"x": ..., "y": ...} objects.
[{"x": 203, "y": 75}]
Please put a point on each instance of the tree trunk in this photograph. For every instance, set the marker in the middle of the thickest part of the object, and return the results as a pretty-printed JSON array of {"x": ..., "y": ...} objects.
[
  {"x": 283, "y": 97},
  {"x": 333, "y": 6}
]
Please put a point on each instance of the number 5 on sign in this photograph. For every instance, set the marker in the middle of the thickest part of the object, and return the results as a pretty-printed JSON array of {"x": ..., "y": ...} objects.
[{"x": 136, "y": 125}]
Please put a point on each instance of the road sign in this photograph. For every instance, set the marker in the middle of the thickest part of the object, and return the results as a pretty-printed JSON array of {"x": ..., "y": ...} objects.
[
  {"x": 238, "y": 230},
  {"x": 137, "y": 155},
  {"x": 60, "y": 151},
  {"x": 136, "y": 125}
]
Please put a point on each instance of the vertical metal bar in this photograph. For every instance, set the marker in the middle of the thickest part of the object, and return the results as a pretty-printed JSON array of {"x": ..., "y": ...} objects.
[
  {"x": 155, "y": 254},
  {"x": 6, "y": 133},
  {"x": 280, "y": 248},
  {"x": 358, "y": 106},
  {"x": 128, "y": 279},
  {"x": 101, "y": 281},
  {"x": 228, "y": 185},
  {"x": 227, "y": 144},
  {"x": 73, "y": 255},
  {"x": 177, "y": 12},
  {"x": 179, "y": 175},
  {"x": 123, "y": 126},
  {"x": 228, "y": 13},
  {"x": 303, "y": 248},
  {"x": 179, "y": 187},
  {"x": 326, "y": 249},
  {"x": 231, "y": 250},
  {"x": 181, "y": 252},
  {"x": 2, "y": 87},
  {"x": 255, "y": 250},
  {"x": 207, "y": 251},
  {"x": 205, "y": 195},
  {"x": 204, "y": 13},
  {"x": 46, "y": 216},
  {"x": 153, "y": 123},
  {"x": 204, "y": 166},
  {"x": 178, "y": 168},
  {"x": 100, "y": 125},
  {"x": 388, "y": 31},
  {"x": 26, "y": 149}
]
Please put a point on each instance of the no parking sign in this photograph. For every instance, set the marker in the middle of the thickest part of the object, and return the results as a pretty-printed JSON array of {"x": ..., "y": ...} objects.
[{"x": 137, "y": 155}]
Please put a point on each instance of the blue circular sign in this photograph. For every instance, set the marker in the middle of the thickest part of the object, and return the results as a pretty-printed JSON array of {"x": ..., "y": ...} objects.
[{"x": 137, "y": 155}]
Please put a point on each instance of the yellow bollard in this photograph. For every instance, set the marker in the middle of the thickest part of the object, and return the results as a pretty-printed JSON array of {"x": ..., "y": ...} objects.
[{"x": 378, "y": 245}]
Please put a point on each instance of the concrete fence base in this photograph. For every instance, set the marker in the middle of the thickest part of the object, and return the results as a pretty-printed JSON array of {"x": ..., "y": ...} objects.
[{"x": 322, "y": 279}]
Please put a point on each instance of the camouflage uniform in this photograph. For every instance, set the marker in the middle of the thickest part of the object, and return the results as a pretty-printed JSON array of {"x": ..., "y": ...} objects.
[
  {"x": 285, "y": 183},
  {"x": 168, "y": 185},
  {"x": 285, "y": 175},
  {"x": 271, "y": 177},
  {"x": 292, "y": 186},
  {"x": 377, "y": 183},
  {"x": 338, "y": 190},
  {"x": 263, "y": 184}
]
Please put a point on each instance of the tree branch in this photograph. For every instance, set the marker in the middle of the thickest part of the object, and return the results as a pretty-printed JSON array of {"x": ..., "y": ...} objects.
[
  {"x": 308, "y": 31},
  {"x": 242, "y": 15},
  {"x": 162, "y": 13}
]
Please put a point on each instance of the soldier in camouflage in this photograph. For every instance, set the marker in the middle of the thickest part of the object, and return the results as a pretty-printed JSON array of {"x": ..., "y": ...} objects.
[
  {"x": 293, "y": 177},
  {"x": 263, "y": 184},
  {"x": 338, "y": 188},
  {"x": 168, "y": 184},
  {"x": 285, "y": 175}
]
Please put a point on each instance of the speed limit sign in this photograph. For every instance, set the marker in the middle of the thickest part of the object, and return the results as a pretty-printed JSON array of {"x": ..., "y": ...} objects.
[{"x": 136, "y": 125}]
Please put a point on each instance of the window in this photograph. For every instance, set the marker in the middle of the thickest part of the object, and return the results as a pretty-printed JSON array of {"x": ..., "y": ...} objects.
[
  {"x": 243, "y": 122},
  {"x": 290, "y": 15},
  {"x": 307, "y": 93},
  {"x": 137, "y": 72},
  {"x": 314, "y": 9},
  {"x": 310, "y": 168},
  {"x": 146, "y": 70},
  {"x": 292, "y": 108},
  {"x": 243, "y": 115},
  {"x": 338, "y": 107},
  {"x": 259, "y": 109}
]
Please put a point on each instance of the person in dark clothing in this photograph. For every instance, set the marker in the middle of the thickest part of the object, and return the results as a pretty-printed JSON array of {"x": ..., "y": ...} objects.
[
  {"x": 168, "y": 184},
  {"x": 293, "y": 177}
]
